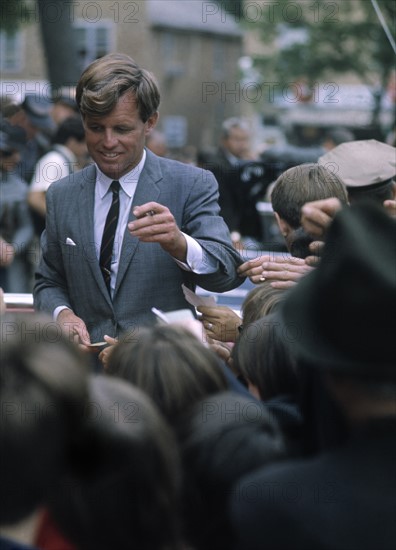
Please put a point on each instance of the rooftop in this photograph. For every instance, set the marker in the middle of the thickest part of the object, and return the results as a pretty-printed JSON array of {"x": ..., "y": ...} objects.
[{"x": 195, "y": 15}]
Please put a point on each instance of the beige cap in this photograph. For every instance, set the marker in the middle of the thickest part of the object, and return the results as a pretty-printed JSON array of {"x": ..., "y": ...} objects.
[{"x": 361, "y": 163}]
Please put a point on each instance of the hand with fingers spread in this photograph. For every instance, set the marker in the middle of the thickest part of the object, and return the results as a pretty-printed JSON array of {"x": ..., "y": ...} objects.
[
  {"x": 220, "y": 322},
  {"x": 284, "y": 272},
  {"x": 253, "y": 268},
  {"x": 156, "y": 224}
]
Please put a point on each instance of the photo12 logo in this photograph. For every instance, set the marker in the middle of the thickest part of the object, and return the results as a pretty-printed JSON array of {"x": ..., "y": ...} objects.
[
  {"x": 269, "y": 92},
  {"x": 270, "y": 12},
  {"x": 52, "y": 12}
]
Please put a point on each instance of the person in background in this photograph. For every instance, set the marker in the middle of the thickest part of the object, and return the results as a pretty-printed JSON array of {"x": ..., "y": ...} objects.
[
  {"x": 335, "y": 136},
  {"x": 295, "y": 187},
  {"x": 222, "y": 438},
  {"x": 16, "y": 227},
  {"x": 239, "y": 186},
  {"x": 34, "y": 116},
  {"x": 170, "y": 364},
  {"x": 43, "y": 391},
  {"x": 368, "y": 167},
  {"x": 122, "y": 488},
  {"x": 64, "y": 106},
  {"x": 68, "y": 154},
  {"x": 264, "y": 358},
  {"x": 124, "y": 234},
  {"x": 344, "y": 496},
  {"x": 223, "y": 326}
]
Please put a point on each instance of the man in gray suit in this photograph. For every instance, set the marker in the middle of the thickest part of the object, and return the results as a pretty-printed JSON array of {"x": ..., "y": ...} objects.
[{"x": 166, "y": 224}]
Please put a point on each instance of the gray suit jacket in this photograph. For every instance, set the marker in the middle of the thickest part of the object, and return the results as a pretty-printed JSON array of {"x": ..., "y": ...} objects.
[{"x": 147, "y": 275}]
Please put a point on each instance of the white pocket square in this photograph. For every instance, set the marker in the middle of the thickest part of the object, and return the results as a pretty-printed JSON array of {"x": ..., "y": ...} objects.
[{"x": 70, "y": 242}]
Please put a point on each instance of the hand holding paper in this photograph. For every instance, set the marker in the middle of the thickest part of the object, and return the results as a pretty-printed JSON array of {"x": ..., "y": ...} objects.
[{"x": 195, "y": 300}]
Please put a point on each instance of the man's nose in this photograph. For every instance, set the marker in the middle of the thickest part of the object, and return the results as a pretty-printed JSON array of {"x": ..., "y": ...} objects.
[{"x": 109, "y": 139}]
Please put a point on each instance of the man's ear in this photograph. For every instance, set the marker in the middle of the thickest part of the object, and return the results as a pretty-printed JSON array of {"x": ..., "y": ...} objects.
[
  {"x": 151, "y": 122},
  {"x": 284, "y": 227}
]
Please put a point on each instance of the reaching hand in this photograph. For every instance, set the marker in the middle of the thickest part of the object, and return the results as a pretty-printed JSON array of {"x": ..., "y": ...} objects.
[
  {"x": 220, "y": 322},
  {"x": 282, "y": 272},
  {"x": 316, "y": 216}
]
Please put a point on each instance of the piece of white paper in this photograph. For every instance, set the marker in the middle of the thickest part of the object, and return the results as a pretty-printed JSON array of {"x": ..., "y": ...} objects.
[
  {"x": 176, "y": 316},
  {"x": 195, "y": 300}
]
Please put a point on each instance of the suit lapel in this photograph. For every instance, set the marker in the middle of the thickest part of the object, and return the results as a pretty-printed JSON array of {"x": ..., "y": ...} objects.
[
  {"x": 147, "y": 190},
  {"x": 86, "y": 218}
]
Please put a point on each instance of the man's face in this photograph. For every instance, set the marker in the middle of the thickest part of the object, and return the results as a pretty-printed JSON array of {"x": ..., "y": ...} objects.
[
  {"x": 116, "y": 141},
  {"x": 8, "y": 160},
  {"x": 237, "y": 142}
]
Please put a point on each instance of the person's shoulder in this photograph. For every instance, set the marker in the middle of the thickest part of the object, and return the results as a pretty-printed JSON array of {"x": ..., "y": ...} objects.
[
  {"x": 51, "y": 159},
  {"x": 176, "y": 169},
  {"x": 292, "y": 470},
  {"x": 74, "y": 181}
]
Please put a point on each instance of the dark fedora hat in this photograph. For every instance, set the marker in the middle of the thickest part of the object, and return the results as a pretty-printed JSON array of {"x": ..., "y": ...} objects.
[{"x": 343, "y": 314}]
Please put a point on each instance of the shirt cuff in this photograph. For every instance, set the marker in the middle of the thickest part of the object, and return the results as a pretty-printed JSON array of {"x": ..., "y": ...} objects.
[
  {"x": 57, "y": 311},
  {"x": 197, "y": 261}
]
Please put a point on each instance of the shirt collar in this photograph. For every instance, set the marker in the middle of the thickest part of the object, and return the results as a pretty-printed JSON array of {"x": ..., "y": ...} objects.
[
  {"x": 232, "y": 159},
  {"x": 128, "y": 181}
]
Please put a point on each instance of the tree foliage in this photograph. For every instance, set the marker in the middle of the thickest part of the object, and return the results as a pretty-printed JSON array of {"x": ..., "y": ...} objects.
[
  {"x": 332, "y": 38},
  {"x": 14, "y": 13}
]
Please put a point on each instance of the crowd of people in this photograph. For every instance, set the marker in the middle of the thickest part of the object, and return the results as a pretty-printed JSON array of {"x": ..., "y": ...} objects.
[{"x": 273, "y": 428}]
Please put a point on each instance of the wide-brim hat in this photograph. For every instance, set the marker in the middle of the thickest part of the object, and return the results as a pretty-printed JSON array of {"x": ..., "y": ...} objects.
[{"x": 342, "y": 315}]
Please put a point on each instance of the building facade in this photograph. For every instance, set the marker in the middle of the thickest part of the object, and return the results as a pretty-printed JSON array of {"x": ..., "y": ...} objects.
[{"x": 193, "y": 55}]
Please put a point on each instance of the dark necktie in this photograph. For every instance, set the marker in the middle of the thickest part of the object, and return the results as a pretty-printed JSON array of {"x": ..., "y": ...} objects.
[{"x": 106, "y": 248}]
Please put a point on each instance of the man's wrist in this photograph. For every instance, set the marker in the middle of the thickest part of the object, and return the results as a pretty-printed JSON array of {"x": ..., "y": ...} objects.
[{"x": 59, "y": 310}]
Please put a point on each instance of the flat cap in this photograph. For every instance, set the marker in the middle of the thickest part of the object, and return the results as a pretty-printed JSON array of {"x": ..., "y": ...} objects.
[{"x": 361, "y": 163}]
